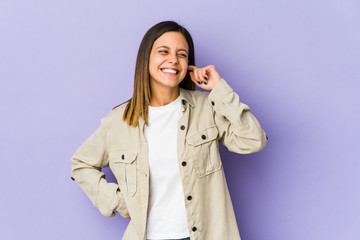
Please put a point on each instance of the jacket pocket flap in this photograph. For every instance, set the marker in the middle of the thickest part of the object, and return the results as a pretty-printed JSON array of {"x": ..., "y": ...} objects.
[
  {"x": 202, "y": 136},
  {"x": 122, "y": 156}
]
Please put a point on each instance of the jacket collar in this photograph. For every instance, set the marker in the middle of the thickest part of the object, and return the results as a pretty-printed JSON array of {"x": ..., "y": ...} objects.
[{"x": 185, "y": 95}]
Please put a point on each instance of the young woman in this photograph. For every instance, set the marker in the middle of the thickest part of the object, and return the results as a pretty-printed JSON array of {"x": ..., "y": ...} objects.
[{"x": 162, "y": 146}]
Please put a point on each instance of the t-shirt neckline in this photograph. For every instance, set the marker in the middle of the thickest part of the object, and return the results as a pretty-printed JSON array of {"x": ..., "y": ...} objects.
[{"x": 169, "y": 105}]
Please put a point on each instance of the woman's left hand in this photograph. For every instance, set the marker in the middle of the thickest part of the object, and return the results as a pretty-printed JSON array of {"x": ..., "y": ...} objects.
[{"x": 205, "y": 77}]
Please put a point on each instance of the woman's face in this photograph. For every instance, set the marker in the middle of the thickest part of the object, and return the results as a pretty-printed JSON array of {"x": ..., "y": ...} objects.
[{"x": 168, "y": 61}]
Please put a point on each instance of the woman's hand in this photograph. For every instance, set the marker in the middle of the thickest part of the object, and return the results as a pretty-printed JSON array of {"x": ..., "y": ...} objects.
[{"x": 205, "y": 77}]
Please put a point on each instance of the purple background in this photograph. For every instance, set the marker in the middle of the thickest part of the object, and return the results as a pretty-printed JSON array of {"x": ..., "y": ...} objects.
[{"x": 65, "y": 64}]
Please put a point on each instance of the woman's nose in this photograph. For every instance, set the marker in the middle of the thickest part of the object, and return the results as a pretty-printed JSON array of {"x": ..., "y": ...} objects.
[{"x": 173, "y": 59}]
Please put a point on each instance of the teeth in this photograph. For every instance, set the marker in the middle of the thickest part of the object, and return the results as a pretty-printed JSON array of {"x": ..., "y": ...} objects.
[{"x": 169, "y": 70}]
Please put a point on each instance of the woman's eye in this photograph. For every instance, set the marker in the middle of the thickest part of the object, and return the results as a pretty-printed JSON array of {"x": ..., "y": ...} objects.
[{"x": 166, "y": 52}]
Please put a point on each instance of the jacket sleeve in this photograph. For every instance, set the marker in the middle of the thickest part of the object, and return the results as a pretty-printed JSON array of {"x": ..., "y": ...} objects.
[
  {"x": 86, "y": 165},
  {"x": 238, "y": 129}
]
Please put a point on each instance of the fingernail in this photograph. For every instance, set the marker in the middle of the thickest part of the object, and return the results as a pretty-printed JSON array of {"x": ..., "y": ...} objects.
[
  {"x": 205, "y": 78},
  {"x": 199, "y": 82},
  {"x": 205, "y": 83}
]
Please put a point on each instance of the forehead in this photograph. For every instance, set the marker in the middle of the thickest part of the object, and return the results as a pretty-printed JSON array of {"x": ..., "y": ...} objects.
[{"x": 172, "y": 40}]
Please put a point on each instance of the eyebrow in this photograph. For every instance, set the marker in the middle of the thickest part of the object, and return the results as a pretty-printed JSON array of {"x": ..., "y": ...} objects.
[{"x": 169, "y": 48}]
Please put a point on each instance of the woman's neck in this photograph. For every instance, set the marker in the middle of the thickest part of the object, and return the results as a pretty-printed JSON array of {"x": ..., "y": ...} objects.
[{"x": 162, "y": 97}]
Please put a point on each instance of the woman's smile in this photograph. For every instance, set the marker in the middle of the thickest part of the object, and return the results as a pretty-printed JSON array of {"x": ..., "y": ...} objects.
[{"x": 170, "y": 71}]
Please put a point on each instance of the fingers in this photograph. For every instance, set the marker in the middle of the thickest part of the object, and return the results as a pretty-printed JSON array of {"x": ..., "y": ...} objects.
[
  {"x": 203, "y": 76},
  {"x": 191, "y": 67},
  {"x": 198, "y": 75}
]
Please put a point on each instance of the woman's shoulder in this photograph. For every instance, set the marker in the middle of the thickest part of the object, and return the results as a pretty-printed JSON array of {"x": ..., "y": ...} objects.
[
  {"x": 197, "y": 96},
  {"x": 116, "y": 112},
  {"x": 121, "y": 106}
]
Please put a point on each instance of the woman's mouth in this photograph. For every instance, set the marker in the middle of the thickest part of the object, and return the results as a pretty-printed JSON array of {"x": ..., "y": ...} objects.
[{"x": 170, "y": 71}]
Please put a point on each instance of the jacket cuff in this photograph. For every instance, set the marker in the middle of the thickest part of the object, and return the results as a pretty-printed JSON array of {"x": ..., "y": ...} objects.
[
  {"x": 106, "y": 199},
  {"x": 121, "y": 206}
]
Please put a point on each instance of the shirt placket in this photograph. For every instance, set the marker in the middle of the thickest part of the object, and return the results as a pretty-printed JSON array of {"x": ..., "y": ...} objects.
[{"x": 185, "y": 172}]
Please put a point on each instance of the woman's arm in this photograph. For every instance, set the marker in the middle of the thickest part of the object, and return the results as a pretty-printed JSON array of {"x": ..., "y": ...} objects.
[
  {"x": 239, "y": 130},
  {"x": 86, "y": 165}
]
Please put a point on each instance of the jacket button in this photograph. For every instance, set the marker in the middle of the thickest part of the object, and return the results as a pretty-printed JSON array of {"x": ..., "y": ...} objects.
[
  {"x": 203, "y": 137},
  {"x": 72, "y": 178},
  {"x": 194, "y": 229},
  {"x": 213, "y": 103},
  {"x": 183, "y": 163},
  {"x": 189, "y": 197},
  {"x": 182, "y": 127},
  {"x": 122, "y": 157}
]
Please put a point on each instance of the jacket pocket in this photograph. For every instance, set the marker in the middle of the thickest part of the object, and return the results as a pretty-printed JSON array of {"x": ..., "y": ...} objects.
[
  {"x": 123, "y": 165},
  {"x": 204, "y": 150}
]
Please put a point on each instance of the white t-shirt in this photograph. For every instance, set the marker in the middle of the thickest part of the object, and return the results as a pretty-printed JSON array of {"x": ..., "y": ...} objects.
[{"x": 167, "y": 217}]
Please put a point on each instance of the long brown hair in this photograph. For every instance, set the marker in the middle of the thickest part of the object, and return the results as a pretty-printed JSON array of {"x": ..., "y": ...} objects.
[{"x": 138, "y": 104}]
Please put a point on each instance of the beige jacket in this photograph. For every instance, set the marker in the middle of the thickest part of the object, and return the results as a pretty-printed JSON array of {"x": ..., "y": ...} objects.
[{"x": 208, "y": 118}]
